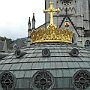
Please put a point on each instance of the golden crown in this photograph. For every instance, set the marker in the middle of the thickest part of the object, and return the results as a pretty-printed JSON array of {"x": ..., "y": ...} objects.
[{"x": 51, "y": 34}]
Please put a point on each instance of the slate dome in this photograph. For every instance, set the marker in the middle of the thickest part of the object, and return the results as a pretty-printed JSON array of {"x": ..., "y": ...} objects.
[{"x": 60, "y": 68}]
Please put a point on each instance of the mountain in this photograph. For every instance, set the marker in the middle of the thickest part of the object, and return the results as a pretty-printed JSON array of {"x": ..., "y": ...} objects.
[{"x": 20, "y": 42}]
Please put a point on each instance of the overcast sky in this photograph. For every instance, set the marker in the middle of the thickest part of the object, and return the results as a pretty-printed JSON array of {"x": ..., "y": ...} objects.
[{"x": 14, "y": 16}]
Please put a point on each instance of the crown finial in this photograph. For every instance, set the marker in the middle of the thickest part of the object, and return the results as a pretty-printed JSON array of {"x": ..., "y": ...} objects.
[{"x": 51, "y": 34}]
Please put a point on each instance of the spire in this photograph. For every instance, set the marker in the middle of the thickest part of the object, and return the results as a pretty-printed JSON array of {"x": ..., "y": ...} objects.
[
  {"x": 29, "y": 31},
  {"x": 29, "y": 22},
  {"x": 5, "y": 46},
  {"x": 33, "y": 21},
  {"x": 29, "y": 25}
]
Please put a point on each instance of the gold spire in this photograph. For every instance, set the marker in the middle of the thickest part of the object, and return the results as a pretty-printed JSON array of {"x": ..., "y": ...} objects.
[
  {"x": 51, "y": 10},
  {"x": 51, "y": 34}
]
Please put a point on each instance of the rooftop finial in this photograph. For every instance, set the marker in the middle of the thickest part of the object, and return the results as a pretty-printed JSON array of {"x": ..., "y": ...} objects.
[
  {"x": 5, "y": 46},
  {"x": 51, "y": 10},
  {"x": 29, "y": 22},
  {"x": 29, "y": 25},
  {"x": 33, "y": 17},
  {"x": 33, "y": 21}
]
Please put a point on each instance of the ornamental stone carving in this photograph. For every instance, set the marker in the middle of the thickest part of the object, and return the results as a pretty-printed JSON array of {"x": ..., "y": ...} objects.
[
  {"x": 7, "y": 80},
  {"x": 42, "y": 80},
  {"x": 81, "y": 79}
]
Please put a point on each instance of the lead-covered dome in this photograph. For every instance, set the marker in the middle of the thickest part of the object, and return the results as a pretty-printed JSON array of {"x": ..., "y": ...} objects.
[{"x": 60, "y": 68}]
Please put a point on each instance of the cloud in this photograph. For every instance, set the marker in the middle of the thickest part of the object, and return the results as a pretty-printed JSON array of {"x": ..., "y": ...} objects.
[{"x": 14, "y": 16}]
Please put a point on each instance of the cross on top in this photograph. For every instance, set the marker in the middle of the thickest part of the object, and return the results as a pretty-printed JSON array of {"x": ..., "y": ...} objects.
[{"x": 51, "y": 10}]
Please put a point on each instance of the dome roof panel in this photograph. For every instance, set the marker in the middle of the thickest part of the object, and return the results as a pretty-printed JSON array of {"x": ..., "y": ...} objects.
[
  {"x": 7, "y": 61},
  {"x": 28, "y": 74},
  {"x": 16, "y": 73},
  {"x": 15, "y": 60},
  {"x": 16, "y": 66},
  {"x": 1, "y": 66},
  {"x": 21, "y": 74},
  {"x": 6, "y": 67}
]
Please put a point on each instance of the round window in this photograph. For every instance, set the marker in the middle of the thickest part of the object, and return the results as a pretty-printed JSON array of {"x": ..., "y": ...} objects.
[
  {"x": 7, "y": 80},
  {"x": 42, "y": 80},
  {"x": 81, "y": 79}
]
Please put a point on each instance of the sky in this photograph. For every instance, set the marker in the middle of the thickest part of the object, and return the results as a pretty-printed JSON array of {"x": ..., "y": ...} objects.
[{"x": 14, "y": 15}]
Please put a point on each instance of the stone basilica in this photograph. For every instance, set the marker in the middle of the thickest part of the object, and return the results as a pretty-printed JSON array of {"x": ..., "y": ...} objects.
[
  {"x": 55, "y": 57},
  {"x": 76, "y": 12}
]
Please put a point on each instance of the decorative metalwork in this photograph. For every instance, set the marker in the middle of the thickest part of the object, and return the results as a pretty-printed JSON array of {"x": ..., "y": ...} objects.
[
  {"x": 45, "y": 52},
  {"x": 74, "y": 52},
  {"x": 51, "y": 11},
  {"x": 7, "y": 80},
  {"x": 51, "y": 34},
  {"x": 81, "y": 79},
  {"x": 66, "y": 1},
  {"x": 42, "y": 80},
  {"x": 66, "y": 24}
]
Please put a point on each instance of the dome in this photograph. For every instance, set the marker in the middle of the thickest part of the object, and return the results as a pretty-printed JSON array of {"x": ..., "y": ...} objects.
[{"x": 60, "y": 68}]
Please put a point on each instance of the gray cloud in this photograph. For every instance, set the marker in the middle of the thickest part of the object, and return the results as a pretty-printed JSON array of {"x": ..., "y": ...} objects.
[{"x": 14, "y": 16}]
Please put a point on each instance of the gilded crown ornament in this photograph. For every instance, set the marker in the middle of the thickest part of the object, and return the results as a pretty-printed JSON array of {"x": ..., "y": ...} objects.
[{"x": 52, "y": 33}]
